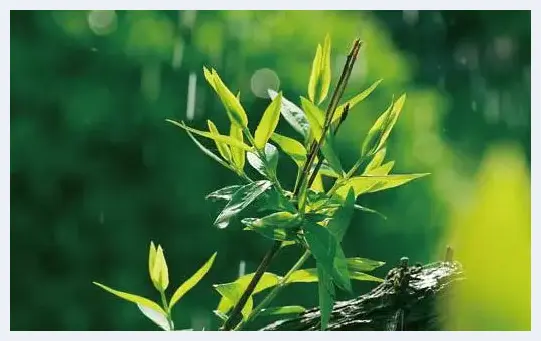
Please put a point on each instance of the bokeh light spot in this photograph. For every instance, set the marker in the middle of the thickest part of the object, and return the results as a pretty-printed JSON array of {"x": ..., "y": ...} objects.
[
  {"x": 262, "y": 80},
  {"x": 102, "y": 22}
]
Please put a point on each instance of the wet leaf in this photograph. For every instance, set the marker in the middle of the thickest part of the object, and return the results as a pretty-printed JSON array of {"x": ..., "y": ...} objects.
[
  {"x": 268, "y": 122},
  {"x": 292, "y": 114}
]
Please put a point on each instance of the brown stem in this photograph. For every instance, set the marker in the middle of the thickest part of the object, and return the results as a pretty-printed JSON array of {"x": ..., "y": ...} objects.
[
  {"x": 333, "y": 104},
  {"x": 234, "y": 317}
]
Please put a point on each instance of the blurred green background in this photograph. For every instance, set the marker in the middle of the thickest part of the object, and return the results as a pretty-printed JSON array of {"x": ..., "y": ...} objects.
[{"x": 96, "y": 172}]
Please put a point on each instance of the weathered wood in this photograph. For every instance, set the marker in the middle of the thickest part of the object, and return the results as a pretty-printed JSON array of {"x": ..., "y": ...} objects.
[{"x": 404, "y": 301}]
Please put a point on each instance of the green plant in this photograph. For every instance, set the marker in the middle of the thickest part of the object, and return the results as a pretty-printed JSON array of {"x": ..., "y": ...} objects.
[
  {"x": 307, "y": 215},
  {"x": 159, "y": 275}
]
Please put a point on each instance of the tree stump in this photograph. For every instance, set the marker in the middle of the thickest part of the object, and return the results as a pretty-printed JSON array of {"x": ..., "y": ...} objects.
[{"x": 406, "y": 300}]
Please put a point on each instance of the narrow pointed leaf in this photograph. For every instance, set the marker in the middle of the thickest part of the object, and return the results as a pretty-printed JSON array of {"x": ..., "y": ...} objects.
[
  {"x": 238, "y": 155},
  {"x": 132, "y": 298},
  {"x": 326, "y": 295},
  {"x": 160, "y": 272},
  {"x": 342, "y": 218},
  {"x": 209, "y": 77},
  {"x": 354, "y": 101},
  {"x": 291, "y": 147},
  {"x": 151, "y": 258},
  {"x": 377, "y": 160},
  {"x": 315, "y": 74},
  {"x": 322, "y": 244},
  {"x": 155, "y": 316},
  {"x": 325, "y": 75},
  {"x": 361, "y": 276},
  {"x": 291, "y": 309},
  {"x": 327, "y": 148},
  {"x": 216, "y": 137},
  {"x": 380, "y": 131},
  {"x": 318, "y": 183},
  {"x": 225, "y": 193},
  {"x": 271, "y": 156},
  {"x": 276, "y": 226},
  {"x": 368, "y": 183},
  {"x": 370, "y": 210},
  {"x": 243, "y": 197},
  {"x": 232, "y": 105},
  {"x": 340, "y": 273},
  {"x": 316, "y": 118},
  {"x": 223, "y": 148},
  {"x": 292, "y": 114},
  {"x": 268, "y": 122},
  {"x": 192, "y": 281},
  {"x": 207, "y": 152},
  {"x": 382, "y": 170},
  {"x": 363, "y": 264}
]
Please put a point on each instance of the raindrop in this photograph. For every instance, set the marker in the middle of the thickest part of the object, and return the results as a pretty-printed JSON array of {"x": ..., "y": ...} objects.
[
  {"x": 190, "y": 107},
  {"x": 242, "y": 268}
]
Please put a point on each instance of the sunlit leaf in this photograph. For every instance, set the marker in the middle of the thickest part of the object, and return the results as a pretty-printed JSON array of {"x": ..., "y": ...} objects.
[
  {"x": 363, "y": 264},
  {"x": 291, "y": 147},
  {"x": 317, "y": 185},
  {"x": 380, "y": 131},
  {"x": 206, "y": 151},
  {"x": 316, "y": 118},
  {"x": 276, "y": 226},
  {"x": 368, "y": 183},
  {"x": 238, "y": 155},
  {"x": 354, "y": 101},
  {"x": 155, "y": 316},
  {"x": 382, "y": 170},
  {"x": 326, "y": 295},
  {"x": 271, "y": 155},
  {"x": 232, "y": 105},
  {"x": 160, "y": 272},
  {"x": 268, "y": 122},
  {"x": 369, "y": 210},
  {"x": 325, "y": 79},
  {"x": 192, "y": 281},
  {"x": 231, "y": 292},
  {"x": 310, "y": 275},
  {"x": 151, "y": 258},
  {"x": 315, "y": 74},
  {"x": 223, "y": 148},
  {"x": 132, "y": 298},
  {"x": 377, "y": 160},
  {"x": 361, "y": 276},
  {"x": 243, "y": 197},
  {"x": 292, "y": 114},
  {"x": 290, "y": 309},
  {"x": 220, "y": 315},
  {"x": 225, "y": 193},
  {"x": 216, "y": 137}
]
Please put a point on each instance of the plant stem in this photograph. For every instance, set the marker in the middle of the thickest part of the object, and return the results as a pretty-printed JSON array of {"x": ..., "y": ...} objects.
[
  {"x": 237, "y": 310},
  {"x": 275, "y": 291},
  {"x": 167, "y": 311}
]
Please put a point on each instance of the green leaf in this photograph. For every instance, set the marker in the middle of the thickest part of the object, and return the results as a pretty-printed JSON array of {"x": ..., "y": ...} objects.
[
  {"x": 382, "y": 170},
  {"x": 361, "y": 276},
  {"x": 155, "y": 316},
  {"x": 216, "y": 137},
  {"x": 292, "y": 114},
  {"x": 369, "y": 210},
  {"x": 276, "y": 226},
  {"x": 377, "y": 160},
  {"x": 326, "y": 295},
  {"x": 340, "y": 273},
  {"x": 310, "y": 275},
  {"x": 325, "y": 81},
  {"x": 322, "y": 244},
  {"x": 231, "y": 292},
  {"x": 369, "y": 183},
  {"x": 291, "y": 147},
  {"x": 238, "y": 154},
  {"x": 243, "y": 197},
  {"x": 223, "y": 148},
  {"x": 354, "y": 101},
  {"x": 151, "y": 258},
  {"x": 327, "y": 148},
  {"x": 268, "y": 122},
  {"x": 207, "y": 152},
  {"x": 316, "y": 118},
  {"x": 271, "y": 156},
  {"x": 363, "y": 264},
  {"x": 273, "y": 200},
  {"x": 232, "y": 105},
  {"x": 342, "y": 218},
  {"x": 225, "y": 193},
  {"x": 380, "y": 131},
  {"x": 290, "y": 309},
  {"x": 132, "y": 298},
  {"x": 220, "y": 315},
  {"x": 315, "y": 74},
  {"x": 320, "y": 77},
  {"x": 191, "y": 282},
  {"x": 160, "y": 272}
]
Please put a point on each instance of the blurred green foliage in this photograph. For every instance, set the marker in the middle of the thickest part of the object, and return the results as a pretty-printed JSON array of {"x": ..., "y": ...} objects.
[{"x": 96, "y": 172}]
